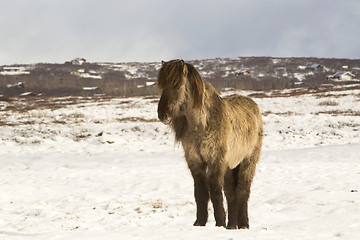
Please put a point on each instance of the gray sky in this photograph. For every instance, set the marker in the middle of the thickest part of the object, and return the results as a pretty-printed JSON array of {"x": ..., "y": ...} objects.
[{"x": 33, "y": 31}]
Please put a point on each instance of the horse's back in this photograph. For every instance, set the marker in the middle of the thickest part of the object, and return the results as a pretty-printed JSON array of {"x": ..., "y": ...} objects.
[{"x": 244, "y": 103}]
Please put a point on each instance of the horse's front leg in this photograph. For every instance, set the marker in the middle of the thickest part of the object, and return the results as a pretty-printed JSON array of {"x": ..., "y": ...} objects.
[
  {"x": 201, "y": 191},
  {"x": 215, "y": 177}
]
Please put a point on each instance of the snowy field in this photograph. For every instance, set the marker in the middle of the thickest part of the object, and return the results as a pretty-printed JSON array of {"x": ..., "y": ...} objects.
[{"x": 105, "y": 168}]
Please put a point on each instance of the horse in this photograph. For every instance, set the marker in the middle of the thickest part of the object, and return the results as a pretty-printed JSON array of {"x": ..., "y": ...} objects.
[{"x": 221, "y": 138}]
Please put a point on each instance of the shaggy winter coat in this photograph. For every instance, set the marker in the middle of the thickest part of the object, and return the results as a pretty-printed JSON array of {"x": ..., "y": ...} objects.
[{"x": 221, "y": 139}]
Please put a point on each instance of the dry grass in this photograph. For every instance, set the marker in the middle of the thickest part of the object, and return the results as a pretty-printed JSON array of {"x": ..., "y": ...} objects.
[
  {"x": 328, "y": 103},
  {"x": 280, "y": 113},
  {"x": 340, "y": 125},
  {"x": 32, "y": 108},
  {"x": 348, "y": 112},
  {"x": 136, "y": 119},
  {"x": 257, "y": 95},
  {"x": 319, "y": 92},
  {"x": 21, "y": 105},
  {"x": 5, "y": 99}
]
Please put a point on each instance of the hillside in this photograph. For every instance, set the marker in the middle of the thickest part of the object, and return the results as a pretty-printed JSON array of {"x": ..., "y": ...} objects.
[
  {"x": 105, "y": 168},
  {"x": 134, "y": 79}
]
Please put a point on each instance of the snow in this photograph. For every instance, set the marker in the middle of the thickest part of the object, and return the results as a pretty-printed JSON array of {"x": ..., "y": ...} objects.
[
  {"x": 14, "y": 70},
  {"x": 150, "y": 83},
  {"x": 83, "y": 74},
  {"x": 90, "y": 88},
  {"x": 275, "y": 60},
  {"x": 105, "y": 168},
  {"x": 26, "y": 94},
  {"x": 133, "y": 70},
  {"x": 299, "y": 76}
]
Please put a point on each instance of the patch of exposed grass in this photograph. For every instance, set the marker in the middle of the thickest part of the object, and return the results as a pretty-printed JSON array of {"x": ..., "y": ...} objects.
[
  {"x": 340, "y": 113},
  {"x": 136, "y": 119},
  {"x": 328, "y": 103}
]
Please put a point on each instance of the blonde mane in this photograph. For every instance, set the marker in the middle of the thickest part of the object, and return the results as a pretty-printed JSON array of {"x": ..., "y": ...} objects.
[{"x": 172, "y": 74}]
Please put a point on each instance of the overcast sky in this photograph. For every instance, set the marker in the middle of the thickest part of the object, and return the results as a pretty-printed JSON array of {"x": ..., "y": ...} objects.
[{"x": 55, "y": 31}]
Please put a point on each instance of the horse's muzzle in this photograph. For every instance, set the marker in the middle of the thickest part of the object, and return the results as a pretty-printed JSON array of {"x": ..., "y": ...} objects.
[{"x": 164, "y": 118}]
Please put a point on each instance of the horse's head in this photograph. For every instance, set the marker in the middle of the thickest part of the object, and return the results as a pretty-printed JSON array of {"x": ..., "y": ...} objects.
[{"x": 181, "y": 86}]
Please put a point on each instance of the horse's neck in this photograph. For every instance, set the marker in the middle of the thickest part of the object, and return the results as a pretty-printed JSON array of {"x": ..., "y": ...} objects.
[{"x": 199, "y": 117}]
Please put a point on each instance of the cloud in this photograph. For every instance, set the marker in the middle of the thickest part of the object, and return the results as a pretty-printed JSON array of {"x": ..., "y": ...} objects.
[{"x": 142, "y": 30}]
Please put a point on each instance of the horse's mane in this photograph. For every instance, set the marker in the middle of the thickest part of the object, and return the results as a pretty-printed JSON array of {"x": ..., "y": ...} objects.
[{"x": 172, "y": 74}]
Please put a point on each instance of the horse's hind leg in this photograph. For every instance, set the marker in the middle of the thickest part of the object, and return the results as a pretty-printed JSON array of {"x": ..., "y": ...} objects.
[
  {"x": 201, "y": 192},
  {"x": 243, "y": 193},
  {"x": 245, "y": 176}
]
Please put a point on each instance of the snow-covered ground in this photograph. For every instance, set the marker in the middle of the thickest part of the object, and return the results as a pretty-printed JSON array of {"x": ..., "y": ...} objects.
[{"x": 105, "y": 168}]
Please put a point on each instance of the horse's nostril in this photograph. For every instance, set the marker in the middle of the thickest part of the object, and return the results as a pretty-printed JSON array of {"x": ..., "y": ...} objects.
[{"x": 162, "y": 116}]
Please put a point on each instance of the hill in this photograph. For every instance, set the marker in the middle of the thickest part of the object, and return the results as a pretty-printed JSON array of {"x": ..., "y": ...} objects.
[{"x": 134, "y": 79}]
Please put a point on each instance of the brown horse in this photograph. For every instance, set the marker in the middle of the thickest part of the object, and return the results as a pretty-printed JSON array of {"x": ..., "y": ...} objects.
[{"x": 221, "y": 139}]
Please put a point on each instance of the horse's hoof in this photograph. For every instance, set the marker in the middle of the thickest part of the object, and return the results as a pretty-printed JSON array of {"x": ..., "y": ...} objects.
[
  {"x": 220, "y": 225},
  {"x": 244, "y": 227},
  {"x": 199, "y": 223},
  {"x": 231, "y": 227}
]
